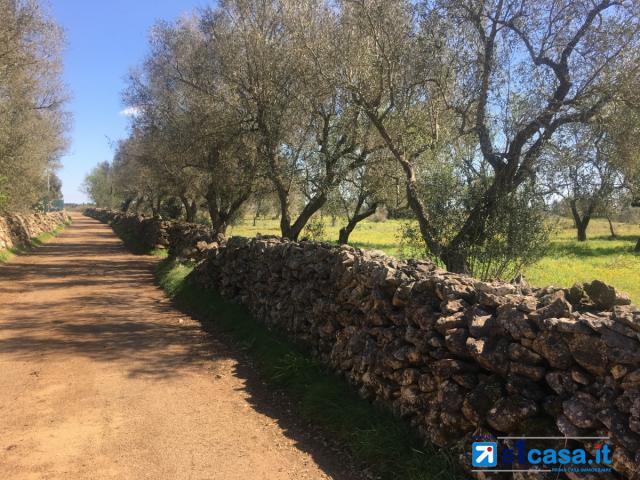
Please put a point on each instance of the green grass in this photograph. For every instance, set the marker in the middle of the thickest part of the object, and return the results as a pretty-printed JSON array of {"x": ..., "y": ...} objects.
[
  {"x": 368, "y": 235},
  {"x": 566, "y": 262},
  {"x": 35, "y": 242},
  {"x": 374, "y": 436},
  {"x": 611, "y": 260}
]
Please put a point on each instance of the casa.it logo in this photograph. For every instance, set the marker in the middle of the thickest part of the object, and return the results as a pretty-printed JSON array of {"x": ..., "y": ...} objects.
[
  {"x": 484, "y": 454},
  {"x": 487, "y": 456}
]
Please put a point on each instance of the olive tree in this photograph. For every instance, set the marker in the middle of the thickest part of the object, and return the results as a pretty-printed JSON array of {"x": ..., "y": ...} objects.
[
  {"x": 306, "y": 128},
  {"x": 98, "y": 185},
  {"x": 137, "y": 180},
  {"x": 499, "y": 78},
  {"x": 623, "y": 126},
  {"x": 365, "y": 189},
  {"x": 581, "y": 169},
  {"x": 190, "y": 122},
  {"x": 32, "y": 119},
  {"x": 531, "y": 68}
]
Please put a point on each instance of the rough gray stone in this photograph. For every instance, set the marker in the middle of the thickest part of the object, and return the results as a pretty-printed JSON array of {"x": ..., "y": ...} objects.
[{"x": 508, "y": 413}]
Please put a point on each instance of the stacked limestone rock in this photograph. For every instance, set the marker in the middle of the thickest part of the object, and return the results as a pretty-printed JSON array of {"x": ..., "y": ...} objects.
[
  {"x": 101, "y": 214},
  {"x": 192, "y": 241},
  {"x": 457, "y": 357},
  {"x": 20, "y": 228},
  {"x": 183, "y": 240},
  {"x": 149, "y": 233}
]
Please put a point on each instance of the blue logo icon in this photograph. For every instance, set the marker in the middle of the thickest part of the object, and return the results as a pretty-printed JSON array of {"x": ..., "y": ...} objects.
[{"x": 484, "y": 454}]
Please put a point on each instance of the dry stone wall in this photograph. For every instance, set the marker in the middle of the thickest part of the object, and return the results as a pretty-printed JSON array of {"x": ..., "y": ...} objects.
[
  {"x": 19, "y": 229},
  {"x": 184, "y": 240},
  {"x": 456, "y": 357}
]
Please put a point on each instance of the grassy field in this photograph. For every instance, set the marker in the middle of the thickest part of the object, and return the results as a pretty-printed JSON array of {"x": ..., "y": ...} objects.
[
  {"x": 367, "y": 235},
  {"x": 610, "y": 260},
  {"x": 566, "y": 262}
]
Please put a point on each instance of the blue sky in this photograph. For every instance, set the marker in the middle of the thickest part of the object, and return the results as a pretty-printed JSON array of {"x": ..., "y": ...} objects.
[{"x": 104, "y": 40}]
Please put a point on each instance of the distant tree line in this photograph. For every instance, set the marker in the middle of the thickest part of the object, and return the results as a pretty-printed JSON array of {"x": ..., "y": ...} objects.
[
  {"x": 472, "y": 115},
  {"x": 32, "y": 119}
]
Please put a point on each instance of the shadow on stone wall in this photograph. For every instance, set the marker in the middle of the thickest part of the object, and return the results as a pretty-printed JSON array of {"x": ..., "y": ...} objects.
[
  {"x": 19, "y": 229},
  {"x": 456, "y": 357}
]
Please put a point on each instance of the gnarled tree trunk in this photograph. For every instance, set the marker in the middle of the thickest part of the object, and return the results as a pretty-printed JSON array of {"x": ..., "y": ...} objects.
[
  {"x": 293, "y": 230},
  {"x": 156, "y": 205},
  {"x": 126, "y": 204},
  {"x": 345, "y": 232},
  {"x": 581, "y": 223},
  {"x": 190, "y": 208},
  {"x": 611, "y": 229},
  {"x": 222, "y": 211}
]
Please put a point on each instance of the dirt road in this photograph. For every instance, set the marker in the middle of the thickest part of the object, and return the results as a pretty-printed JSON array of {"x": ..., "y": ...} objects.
[{"x": 100, "y": 377}]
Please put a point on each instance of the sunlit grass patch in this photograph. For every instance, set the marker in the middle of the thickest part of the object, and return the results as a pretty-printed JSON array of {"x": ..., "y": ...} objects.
[
  {"x": 159, "y": 252},
  {"x": 611, "y": 260},
  {"x": 368, "y": 235}
]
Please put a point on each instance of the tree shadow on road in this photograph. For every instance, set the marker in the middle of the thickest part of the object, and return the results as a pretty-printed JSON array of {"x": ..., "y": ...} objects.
[{"x": 85, "y": 296}]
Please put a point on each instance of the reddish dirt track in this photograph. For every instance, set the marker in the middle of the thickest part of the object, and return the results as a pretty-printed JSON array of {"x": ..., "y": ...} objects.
[{"x": 100, "y": 377}]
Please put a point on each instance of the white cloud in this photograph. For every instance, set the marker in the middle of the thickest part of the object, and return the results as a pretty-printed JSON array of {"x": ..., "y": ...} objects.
[{"x": 130, "y": 112}]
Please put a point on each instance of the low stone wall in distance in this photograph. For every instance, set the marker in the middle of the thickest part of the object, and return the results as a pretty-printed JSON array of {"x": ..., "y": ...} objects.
[
  {"x": 184, "y": 240},
  {"x": 19, "y": 229},
  {"x": 456, "y": 357}
]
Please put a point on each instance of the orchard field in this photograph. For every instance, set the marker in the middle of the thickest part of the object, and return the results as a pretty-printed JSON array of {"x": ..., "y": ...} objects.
[
  {"x": 484, "y": 136},
  {"x": 567, "y": 261}
]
